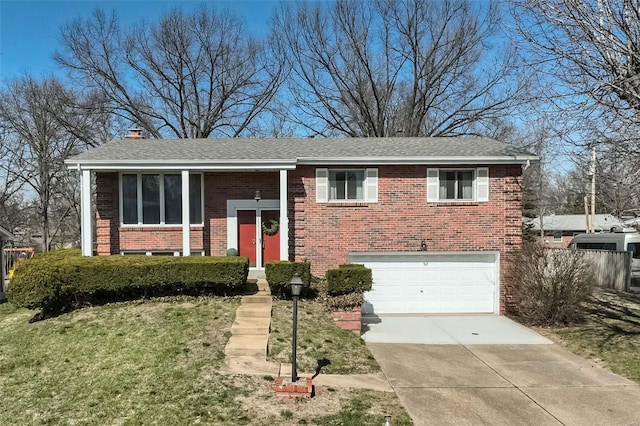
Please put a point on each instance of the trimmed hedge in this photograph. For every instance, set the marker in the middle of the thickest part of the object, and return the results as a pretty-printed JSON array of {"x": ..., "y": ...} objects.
[
  {"x": 349, "y": 278},
  {"x": 63, "y": 280},
  {"x": 280, "y": 272}
]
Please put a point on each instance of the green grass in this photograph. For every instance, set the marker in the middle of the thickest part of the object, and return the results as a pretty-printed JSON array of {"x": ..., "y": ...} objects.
[
  {"x": 611, "y": 334},
  {"x": 321, "y": 344},
  {"x": 153, "y": 362},
  {"x": 122, "y": 363}
]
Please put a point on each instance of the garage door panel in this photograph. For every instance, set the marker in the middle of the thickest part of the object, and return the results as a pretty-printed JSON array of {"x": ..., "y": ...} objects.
[{"x": 454, "y": 284}]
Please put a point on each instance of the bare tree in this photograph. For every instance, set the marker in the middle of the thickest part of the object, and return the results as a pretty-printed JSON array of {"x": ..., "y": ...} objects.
[
  {"x": 384, "y": 68},
  {"x": 45, "y": 123},
  {"x": 186, "y": 76},
  {"x": 617, "y": 181},
  {"x": 10, "y": 185},
  {"x": 587, "y": 56}
]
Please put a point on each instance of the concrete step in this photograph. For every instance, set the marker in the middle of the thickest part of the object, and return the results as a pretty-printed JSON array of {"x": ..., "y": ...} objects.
[
  {"x": 254, "y": 310},
  {"x": 256, "y": 298},
  {"x": 251, "y": 326},
  {"x": 253, "y": 274},
  {"x": 253, "y": 346},
  {"x": 251, "y": 365},
  {"x": 263, "y": 286},
  {"x": 285, "y": 370}
]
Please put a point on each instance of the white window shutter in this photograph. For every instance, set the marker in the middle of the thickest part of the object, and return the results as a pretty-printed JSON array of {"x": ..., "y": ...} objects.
[
  {"x": 482, "y": 184},
  {"x": 371, "y": 185},
  {"x": 433, "y": 183},
  {"x": 322, "y": 185}
]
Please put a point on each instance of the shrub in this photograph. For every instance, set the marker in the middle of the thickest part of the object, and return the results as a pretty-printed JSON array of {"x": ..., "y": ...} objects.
[
  {"x": 549, "y": 287},
  {"x": 344, "y": 301},
  {"x": 57, "y": 282},
  {"x": 350, "y": 278},
  {"x": 280, "y": 272}
]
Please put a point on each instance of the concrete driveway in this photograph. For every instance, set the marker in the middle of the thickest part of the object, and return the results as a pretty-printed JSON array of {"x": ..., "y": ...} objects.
[
  {"x": 504, "y": 384},
  {"x": 447, "y": 330}
]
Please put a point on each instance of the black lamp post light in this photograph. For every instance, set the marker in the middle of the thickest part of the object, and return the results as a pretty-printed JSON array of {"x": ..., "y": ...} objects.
[
  {"x": 296, "y": 289},
  {"x": 296, "y": 387}
]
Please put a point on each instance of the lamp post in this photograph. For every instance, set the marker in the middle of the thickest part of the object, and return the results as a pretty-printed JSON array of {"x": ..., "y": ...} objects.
[{"x": 296, "y": 288}]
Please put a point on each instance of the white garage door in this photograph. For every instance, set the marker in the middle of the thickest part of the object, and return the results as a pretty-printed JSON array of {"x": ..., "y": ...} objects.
[{"x": 434, "y": 283}]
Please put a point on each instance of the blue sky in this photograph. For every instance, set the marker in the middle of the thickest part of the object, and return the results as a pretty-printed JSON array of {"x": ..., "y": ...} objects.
[{"x": 29, "y": 29}]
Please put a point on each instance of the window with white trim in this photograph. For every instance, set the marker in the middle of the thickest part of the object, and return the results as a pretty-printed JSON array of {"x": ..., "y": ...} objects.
[
  {"x": 156, "y": 198},
  {"x": 557, "y": 236},
  {"x": 346, "y": 185},
  {"x": 458, "y": 185}
]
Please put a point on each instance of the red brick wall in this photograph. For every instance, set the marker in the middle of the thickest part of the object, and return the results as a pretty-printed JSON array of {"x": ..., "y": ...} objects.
[
  {"x": 107, "y": 213},
  {"x": 549, "y": 241},
  {"x": 326, "y": 233},
  {"x": 158, "y": 238},
  {"x": 222, "y": 186},
  {"x": 402, "y": 218},
  {"x": 113, "y": 238}
]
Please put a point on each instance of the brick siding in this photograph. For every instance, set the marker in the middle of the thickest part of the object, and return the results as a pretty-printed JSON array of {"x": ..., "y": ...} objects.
[
  {"x": 401, "y": 219},
  {"x": 325, "y": 233}
]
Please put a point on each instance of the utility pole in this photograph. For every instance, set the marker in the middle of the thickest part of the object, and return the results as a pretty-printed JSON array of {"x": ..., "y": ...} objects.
[{"x": 586, "y": 214}]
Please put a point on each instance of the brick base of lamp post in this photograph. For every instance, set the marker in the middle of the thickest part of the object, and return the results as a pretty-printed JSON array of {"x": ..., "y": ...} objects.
[{"x": 285, "y": 388}]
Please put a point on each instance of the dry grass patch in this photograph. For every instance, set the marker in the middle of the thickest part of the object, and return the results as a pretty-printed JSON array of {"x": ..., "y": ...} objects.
[
  {"x": 153, "y": 362},
  {"x": 321, "y": 344},
  {"x": 610, "y": 335}
]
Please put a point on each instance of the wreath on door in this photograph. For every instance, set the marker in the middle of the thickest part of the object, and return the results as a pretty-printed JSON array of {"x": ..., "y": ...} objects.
[{"x": 270, "y": 227}]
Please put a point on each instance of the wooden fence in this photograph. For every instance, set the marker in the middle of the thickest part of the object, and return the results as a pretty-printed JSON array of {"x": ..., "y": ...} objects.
[{"x": 611, "y": 269}]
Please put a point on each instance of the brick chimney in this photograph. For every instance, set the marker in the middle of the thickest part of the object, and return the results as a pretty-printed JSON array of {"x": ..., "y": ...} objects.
[{"x": 134, "y": 133}]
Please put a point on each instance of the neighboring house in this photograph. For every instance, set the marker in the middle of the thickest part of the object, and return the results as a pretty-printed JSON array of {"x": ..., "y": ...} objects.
[
  {"x": 560, "y": 229},
  {"x": 435, "y": 218},
  {"x": 4, "y": 237}
]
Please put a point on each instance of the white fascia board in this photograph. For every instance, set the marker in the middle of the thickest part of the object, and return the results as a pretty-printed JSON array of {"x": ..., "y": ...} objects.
[
  {"x": 266, "y": 165},
  {"x": 370, "y": 161},
  {"x": 182, "y": 165}
]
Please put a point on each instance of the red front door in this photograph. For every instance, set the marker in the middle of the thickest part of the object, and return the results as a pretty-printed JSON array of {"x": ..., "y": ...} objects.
[
  {"x": 247, "y": 235},
  {"x": 258, "y": 246},
  {"x": 270, "y": 243}
]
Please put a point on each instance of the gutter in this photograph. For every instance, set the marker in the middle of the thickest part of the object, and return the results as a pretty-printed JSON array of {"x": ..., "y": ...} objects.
[{"x": 234, "y": 165}]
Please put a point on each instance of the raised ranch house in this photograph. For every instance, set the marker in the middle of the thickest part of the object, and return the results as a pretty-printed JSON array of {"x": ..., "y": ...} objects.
[{"x": 435, "y": 218}]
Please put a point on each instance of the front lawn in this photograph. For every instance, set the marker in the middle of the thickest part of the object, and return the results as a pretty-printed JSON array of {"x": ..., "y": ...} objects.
[
  {"x": 611, "y": 334},
  {"x": 321, "y": 345},
  {"x": 152, "y": 362}
]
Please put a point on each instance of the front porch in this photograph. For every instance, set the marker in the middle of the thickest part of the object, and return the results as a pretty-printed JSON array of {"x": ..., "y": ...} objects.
[{"x": 144, "y": 212}]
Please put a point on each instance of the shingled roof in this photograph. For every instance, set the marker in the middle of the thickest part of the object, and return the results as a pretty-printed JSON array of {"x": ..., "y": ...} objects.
[
  {"x": 575, "y": 222},
  {"x": 287, "y": 152}
]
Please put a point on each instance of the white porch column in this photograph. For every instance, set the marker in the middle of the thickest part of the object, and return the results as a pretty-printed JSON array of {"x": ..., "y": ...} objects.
[
  {"x": 186, "y": 229},
  {"x": 284, "y": 217},
  {"x": 86, "y": 222}
]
